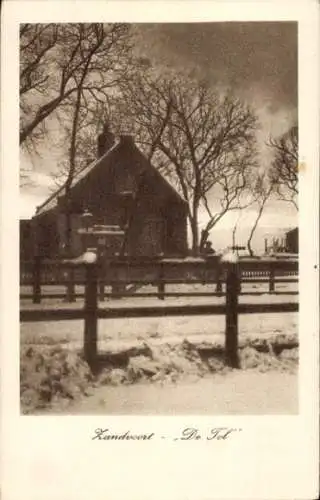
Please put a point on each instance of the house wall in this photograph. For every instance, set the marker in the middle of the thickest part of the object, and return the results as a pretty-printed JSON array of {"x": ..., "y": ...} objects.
[
  {"x": 146, "y": 237},
  {"x": 25, "y": 237},
  {"x": 46, "y": 236},
  {"x": 147, "y": 231},
  {"x": 176, "y": 238},
  {"x": 49, "y": 235},
  {"x": 76, "y": 244}
]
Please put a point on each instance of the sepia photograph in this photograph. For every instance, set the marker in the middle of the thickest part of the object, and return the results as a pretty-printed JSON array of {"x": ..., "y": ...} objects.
[
  {"x": 159, "y": 250},
  {"x": 159, "y": 234}
]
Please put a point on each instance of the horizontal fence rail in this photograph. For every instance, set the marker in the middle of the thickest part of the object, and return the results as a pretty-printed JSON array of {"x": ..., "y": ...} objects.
[
  {"x": 155, "y": 311},
  {"x": 144, "y": 295}
]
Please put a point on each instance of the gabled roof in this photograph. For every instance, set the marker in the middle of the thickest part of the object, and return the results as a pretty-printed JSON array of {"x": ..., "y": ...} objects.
[{"x": 52, "y": 202}]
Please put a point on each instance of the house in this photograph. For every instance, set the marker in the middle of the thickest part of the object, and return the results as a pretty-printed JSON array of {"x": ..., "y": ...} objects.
[
  {"x": 120, "y": 188},
  {"x": 25, "y": 233},
  {"x": 292, "y": 240}
]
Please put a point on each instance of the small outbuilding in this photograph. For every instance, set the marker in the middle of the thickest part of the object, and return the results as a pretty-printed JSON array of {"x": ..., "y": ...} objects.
[{"x": 292, "y": 241}]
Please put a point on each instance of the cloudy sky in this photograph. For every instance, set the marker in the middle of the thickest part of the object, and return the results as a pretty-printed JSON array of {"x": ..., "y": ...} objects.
[
  {"x": 256, "y": 57},
  {"x": 258, "y": 60}
]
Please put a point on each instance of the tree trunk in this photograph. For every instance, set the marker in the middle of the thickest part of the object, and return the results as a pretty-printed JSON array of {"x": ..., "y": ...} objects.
[
  {"x": 195, "y": 239},
  {"x": 70, "y": 295},
  {"x": 203, "y": 239},
  {"x": 249, "y": 247},
  {"x": 254, "y": 227},
  {"x": 195, "y": 234},
  {"x": 234, "y": 230},
  {"x": 193, "y": 217},
  {"x": 70, "y": 291}
]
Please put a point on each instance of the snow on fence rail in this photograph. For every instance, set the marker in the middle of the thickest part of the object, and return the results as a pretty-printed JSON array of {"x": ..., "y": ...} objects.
[{"x": 136, "y": 273}]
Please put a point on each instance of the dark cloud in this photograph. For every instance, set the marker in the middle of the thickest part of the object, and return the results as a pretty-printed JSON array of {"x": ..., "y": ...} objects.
[{"x": 258, "y": 57}]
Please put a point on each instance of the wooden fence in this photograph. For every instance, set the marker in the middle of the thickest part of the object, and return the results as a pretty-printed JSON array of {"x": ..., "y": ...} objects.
[
  {"x": 231, "y": 308},
  {"x": 119, "y": 275}
]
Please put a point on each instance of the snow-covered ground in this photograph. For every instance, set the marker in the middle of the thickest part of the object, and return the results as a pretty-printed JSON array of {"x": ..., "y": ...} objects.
[
  {"x": 233, "y": 393},
  {"x": 251, "y": 392}
]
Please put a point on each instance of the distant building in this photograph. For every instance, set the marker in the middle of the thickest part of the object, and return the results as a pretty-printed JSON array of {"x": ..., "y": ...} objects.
[
  {"x": 282, "y": 241},
  {"x": 121, "y": 186},
  {"x": 292, "y": 241}
]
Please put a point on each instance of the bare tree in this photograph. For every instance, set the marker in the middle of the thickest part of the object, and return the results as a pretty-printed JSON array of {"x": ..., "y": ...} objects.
[
  {"x": 205, "y": 142},
  {"x": 285, "y": 166},
  {"x": 100, "y": 56},
  {"x": 97, "y": 58},
  {"x": 36, "y": 43},
  {"x": 36, "y": 40},
  {"x": 235, "y": 227},
  {"x": 53, "y": 60},
  {"x": 262, "y": 191}
]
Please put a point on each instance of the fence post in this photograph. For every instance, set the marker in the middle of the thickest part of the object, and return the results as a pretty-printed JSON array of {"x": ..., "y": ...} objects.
[
  {"x": 161, "y": 283},
  {"x": 219, "y": 281},
  {"x": 271, "y": 280},
  {"x": 36, "y": 280},
  {"x": 117, "y": 290},
  {"x": 232, "y": 292},
  {"x": 102, "y": 272},
  {"x": 101, "y": 290},
  {"x": 70, "y": 288},
  {"x": 91, "y": 313}
]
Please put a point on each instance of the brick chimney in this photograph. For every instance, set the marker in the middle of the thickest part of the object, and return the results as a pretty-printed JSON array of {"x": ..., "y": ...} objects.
[{"x": 105, "y": 140}]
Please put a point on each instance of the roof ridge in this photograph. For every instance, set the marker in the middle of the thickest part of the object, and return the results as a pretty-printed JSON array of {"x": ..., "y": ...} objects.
[{"x": 55, "y": 193}]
